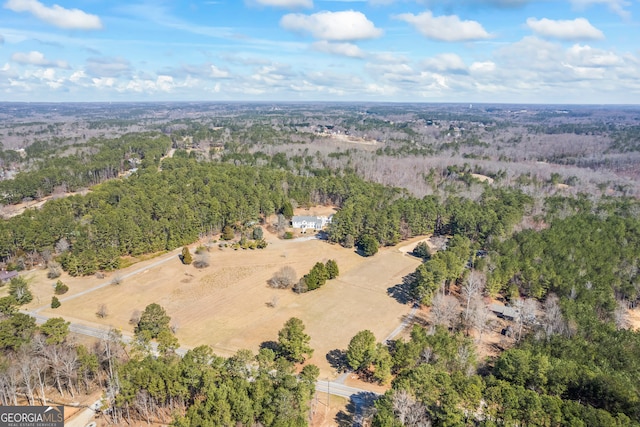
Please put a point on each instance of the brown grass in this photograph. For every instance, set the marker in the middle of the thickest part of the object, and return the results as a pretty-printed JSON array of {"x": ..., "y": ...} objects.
[{"x": 225, "y": 305}]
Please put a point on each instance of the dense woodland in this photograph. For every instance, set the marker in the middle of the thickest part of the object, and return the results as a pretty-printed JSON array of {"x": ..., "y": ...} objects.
[{"x": 569, "y": 260}]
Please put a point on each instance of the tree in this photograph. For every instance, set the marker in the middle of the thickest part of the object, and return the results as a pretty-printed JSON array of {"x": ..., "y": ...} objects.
[
  {"x": 332, "y": 269},
  {"x": 16, "y": 330},
  {"x": 368, "y": 245},
  {"x": 56, "y": 330},
  {"x": 283, "y": 278},
  {"x": 382, "y": 364},
  {"x": 257, "y": 233},
  {"x": 55, "y": 302},
  {"x": 287, "y": 209},
  {"x": 227, "y": 233},
  {"x": 102, "y": 311},
  {"x": 316, "y": 277},
  {"x": 301, "y": 286},
  {"x": 422, "y": 250},
  {"x": 54, "y": 270},
  {"x": 60, "y": 288},
  {"x": 444, "y": 310},
  {"x": 203, "y": 260},
  {"x": 348, "y": 241},
  {"x": 473, "y": 286},
  {"x": 154, "y": 319},
  {"x": 186, "y": 256},
  {"x": 8, "y": 306},
  {"x": 19, "y": 289},
  {"x": 361, "y": 350},
  {"x": 293, "y": 343}
]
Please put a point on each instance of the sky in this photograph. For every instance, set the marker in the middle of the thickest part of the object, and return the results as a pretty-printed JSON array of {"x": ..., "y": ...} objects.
[{"x": 482, "y": 51}]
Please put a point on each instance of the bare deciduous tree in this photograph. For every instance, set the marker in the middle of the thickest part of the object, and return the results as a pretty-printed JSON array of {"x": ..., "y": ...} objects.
[
  {"x": 102, "y": 311},
  {"x": 273, "y": 302},
  {"x": 54, "y": 270},
  {"x": 472, "y": 287},
  {"x": 480, "y": 317},
  {"x": 620, "y": 315},
  {"x": 202, "y": 260},
  {"x": 284, "y": 278},
  {"x": 135, "y": 317},
  {"x": 409, "y": 412},
  {"x": 444, "y": 310},
  {"x": 117, "y": 279},
  {"x": 62, "y": 246},
  {"x": 174, "y": 326},
  {"x": 553, "y": 321}
]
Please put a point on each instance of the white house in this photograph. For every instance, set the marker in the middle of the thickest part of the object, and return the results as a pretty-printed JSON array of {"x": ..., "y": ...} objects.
[{"x": 310, "y": 222}]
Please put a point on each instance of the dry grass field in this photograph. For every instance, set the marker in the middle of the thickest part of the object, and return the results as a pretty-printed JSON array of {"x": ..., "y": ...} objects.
[{"x": 226, "y": 305}]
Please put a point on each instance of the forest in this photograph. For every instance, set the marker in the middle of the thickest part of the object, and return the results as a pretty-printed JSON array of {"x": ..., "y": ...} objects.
[{"x": 565, "y": 258}]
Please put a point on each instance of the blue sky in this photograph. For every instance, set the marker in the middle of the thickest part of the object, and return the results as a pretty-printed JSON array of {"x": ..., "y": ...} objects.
[{"x": 519, "y": 51}]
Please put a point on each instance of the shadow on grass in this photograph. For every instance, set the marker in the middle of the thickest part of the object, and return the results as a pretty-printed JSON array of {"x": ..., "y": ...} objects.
[
  {"x": 402, "y": 291},
  {"x": 338, "y": 360},
  {"x": 359, "y": 408}
]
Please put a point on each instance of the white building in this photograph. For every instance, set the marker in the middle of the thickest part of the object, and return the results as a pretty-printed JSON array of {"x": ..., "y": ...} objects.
[{"x": 310, "y": 222}]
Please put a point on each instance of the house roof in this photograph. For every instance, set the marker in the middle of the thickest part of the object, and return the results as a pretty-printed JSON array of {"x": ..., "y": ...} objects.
[
  {"x": 306, "y": 218},
  {"x": 6, "y": 275},
  {"x": 504, "y": 310}
]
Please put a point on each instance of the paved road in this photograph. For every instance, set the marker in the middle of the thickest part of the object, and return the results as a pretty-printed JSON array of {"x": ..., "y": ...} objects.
[{"x": 404, "y": 324}]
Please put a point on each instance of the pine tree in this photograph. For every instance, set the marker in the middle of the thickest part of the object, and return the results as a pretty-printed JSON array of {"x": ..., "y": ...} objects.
[
  {"x": 55, "y": 302},
  {"x": 186, "y": 256},
  {"x": 332, "y": 269}
]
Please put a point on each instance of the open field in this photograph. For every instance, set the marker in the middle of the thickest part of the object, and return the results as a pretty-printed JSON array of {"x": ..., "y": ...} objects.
[{"x": 225, "y": 305}]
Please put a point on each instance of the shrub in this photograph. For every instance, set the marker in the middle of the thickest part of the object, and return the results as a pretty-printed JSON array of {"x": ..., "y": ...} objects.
[
  {"x": 227, "y": 233},
  {"x": 288, "y": 235},
  {"x": 284, "y": 278},
  {"x": 60, "y": 288},
  {"x": 186, "y": 256},
  {"x": 54, "y": 270},
  {"x": 202, "y": 260},
  {"x": 257, "y": 233},
  {"x": 55, "y": 302}
]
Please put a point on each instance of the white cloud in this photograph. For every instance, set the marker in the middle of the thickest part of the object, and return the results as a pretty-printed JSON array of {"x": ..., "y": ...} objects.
[
  {"x": 77, "y": 76},
  {"x": 590, "y": 57},
  {"x": 445, "y": 62},
  {"x": 217, "y": 73},
  {"x": 340, "y": 26},
  {"x": 56, "y": 15},
  {"x": 617, "y": 6},
  {"x": 37, "y": 58},
  {"x": 482, "y": 67},
  {"x": 577, "y": 29},
  {"x": 289, "y": 4},
  {"x": 344, "y": 49},
  {"x": 445, "y": 28}
]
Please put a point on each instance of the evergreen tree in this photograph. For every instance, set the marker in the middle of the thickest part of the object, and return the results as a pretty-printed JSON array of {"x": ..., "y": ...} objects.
[
  {"x": 368, "y": 245},
  {"x": 186, "y": 256},
  {"x": 332, "y": 269},
  {"x": 293, "y": 343},
  {"x": 153, "y": 320},
  {"x": 55, "y": 302},
  {"x": 60, "y": 288},
  {"x": 361, "y": 350}
]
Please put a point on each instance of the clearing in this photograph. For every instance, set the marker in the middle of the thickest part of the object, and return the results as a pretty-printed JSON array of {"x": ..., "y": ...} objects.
[{"x": 227, "y": 305}]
